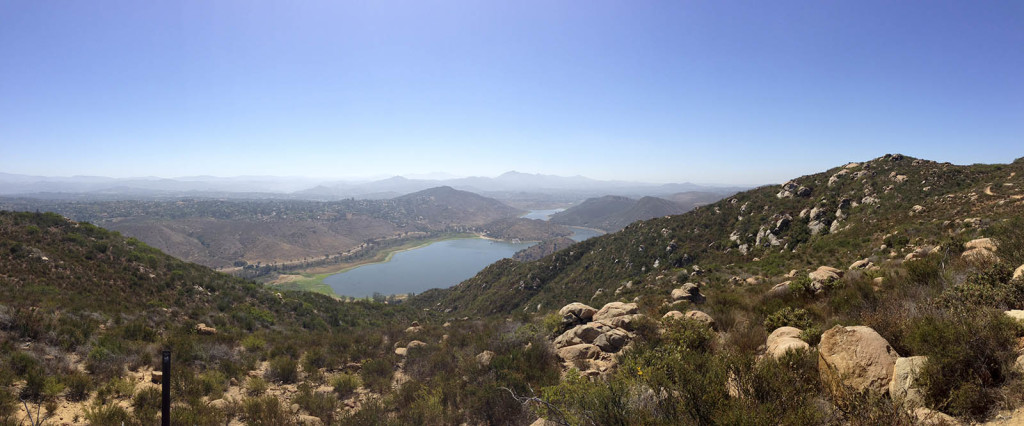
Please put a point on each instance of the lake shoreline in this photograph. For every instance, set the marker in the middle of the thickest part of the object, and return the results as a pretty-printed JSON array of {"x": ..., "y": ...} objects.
[{"x": 313, "y": 278}]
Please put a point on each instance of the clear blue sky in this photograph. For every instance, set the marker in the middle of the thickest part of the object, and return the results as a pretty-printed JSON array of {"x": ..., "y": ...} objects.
[{"x": 709, "y": 91}]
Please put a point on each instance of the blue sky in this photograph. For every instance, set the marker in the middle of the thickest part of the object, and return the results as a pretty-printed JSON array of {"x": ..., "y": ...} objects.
[{"x": 666, "y": 91}]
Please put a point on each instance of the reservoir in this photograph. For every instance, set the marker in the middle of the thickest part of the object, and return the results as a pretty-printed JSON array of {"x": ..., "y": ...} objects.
[
  {"x": 437, "y": 265},
  {"x": 542, "y": 214}
]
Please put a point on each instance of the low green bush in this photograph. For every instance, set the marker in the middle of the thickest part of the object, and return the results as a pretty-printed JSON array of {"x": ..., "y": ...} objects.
[
  {"x": 968, "y": 359},
  {"x": 283, "y": 369},
  {"x": 345, "y": 384},
  {"x": 263, "y": 411},
  {"x": 788, "y": 317}
]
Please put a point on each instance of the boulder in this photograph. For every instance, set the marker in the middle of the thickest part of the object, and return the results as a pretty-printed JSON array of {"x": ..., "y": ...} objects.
[
  {"x": 205, "y": 329},
  {"x": 784, "y": 339},
  {"x": 543, "y": 422},
  {"x": 980, "y": 255},
  {"x": 780, "y": 289},
  {"x": 701, "y": 317},
  {"x": 1019, "y": 272},
  {"x": 857, "y": 357},
  {"x": 484, "y": 358},
  {"x": 415, "y": 344},
  {"x": 1016, "y": 314},
  {"x": 982, "y": 243},
  {"x": 929, "y": 417},
  {"x": 861, "y": 264},
  {"x": 919, "y": 252},
  {"x": 689, "y": 292},
  {"x": 825, "y": 274},
  {"x": 579, "y": 352},
  {"x": 627, "y": 322},
  {"x": 585, "y": 333},
  {"x": 615, "y": 309},
  {"x": 674, "y": 315},
  {"x": 401, "y": 351},
  {"x": 612, "y": 340},
  {"x": 308, "y": 420},
  {"x": 413, "y": 330},
  {"x": 583, "y": 312},
  {"x": 904, "y": 390}
]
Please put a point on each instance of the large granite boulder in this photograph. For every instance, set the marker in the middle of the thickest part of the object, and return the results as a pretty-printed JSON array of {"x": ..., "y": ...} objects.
[
  {"x": 579, "y": 352},
  {"x": 904, "y": 390},
  {"x": 578, "y": 310},
  {"x": 825, "y": 274},
  {"x": 615, "y": 309},
  {"x": 856, "y": 357},
  {"x": 701, "y": 317},
  {"x": 585, "y": 333},
  {"x": 783, "y": 340},
  {"x": 689, "y": 292}
]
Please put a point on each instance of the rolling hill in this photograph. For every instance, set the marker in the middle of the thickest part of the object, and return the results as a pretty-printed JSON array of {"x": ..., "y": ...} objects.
[{"x": 611, "y": 213}]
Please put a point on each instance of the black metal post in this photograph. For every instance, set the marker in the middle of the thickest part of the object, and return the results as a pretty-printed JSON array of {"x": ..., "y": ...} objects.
[{"x": 165, "y": 413}]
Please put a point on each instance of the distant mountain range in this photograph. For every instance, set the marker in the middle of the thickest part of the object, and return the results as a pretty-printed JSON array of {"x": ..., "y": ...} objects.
[
  {"x": 612, "y": 213},
  {"x": 512, "y": 187}
]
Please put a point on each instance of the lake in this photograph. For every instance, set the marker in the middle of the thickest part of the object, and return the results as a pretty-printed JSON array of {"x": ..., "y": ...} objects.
[
  {"x": 542, "y": 214},
  {"x": 437, "y": 265}
]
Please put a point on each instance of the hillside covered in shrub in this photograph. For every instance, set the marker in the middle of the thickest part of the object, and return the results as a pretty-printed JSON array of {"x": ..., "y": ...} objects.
[{"x": 883, "y": 292}]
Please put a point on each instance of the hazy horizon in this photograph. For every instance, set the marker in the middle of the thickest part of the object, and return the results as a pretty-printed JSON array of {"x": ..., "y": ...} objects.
[{"x": 734, "y": 94}]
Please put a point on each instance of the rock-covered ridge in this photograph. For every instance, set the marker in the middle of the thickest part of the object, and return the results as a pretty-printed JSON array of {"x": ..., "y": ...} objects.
[{"x": 869, "y": 208}]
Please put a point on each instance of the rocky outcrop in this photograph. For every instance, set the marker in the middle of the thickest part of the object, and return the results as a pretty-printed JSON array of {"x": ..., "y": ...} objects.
[
  {"x": 856, "y": 357},
  {"x": 591, "y": 346},
  {"x": 1019, "y": 272},
  {"x": 783, "y": 340}
]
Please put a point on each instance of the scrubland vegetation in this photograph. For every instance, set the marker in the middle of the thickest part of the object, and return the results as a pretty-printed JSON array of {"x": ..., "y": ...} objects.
[{"x": 85, "y": 313}]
